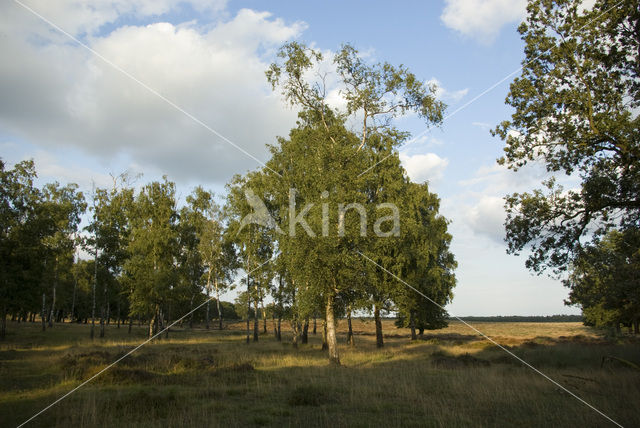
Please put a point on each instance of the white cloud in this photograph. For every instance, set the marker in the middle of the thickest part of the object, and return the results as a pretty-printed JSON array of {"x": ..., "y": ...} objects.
[
  {"x": 424, "y": 167},
  {"x": 56, "y": 93},
  {"x": 50, "y": 166},
  {"x": 443, "y": 94},
  {"x": 79, "y": 17},
  {"x": 482, "y": 19},
  {"x": 487, "y": 217}
]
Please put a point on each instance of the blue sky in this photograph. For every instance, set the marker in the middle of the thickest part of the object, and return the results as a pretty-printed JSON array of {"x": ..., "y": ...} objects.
[{"x": 81, "y": 119}]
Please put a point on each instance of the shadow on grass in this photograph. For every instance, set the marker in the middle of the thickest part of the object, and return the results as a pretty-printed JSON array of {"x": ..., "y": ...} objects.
[{"x": 432, "y": 382}]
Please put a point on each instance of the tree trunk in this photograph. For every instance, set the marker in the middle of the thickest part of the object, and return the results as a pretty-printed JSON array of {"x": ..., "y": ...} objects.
[
  {"x": 325, "y": 346},
  {"x": 264, "y": 318},
  {"x": 280, "y": 309},
  {"x": 130, "y": 324},
  {"x": 305, "y": 331},
  {"x": 44, "y": 312},
  {"x": 295, "y": 326},
  {"x": 248, "y": 307},
  {"x": 52, "y": 314},
  {"x": 193, "y": 295},
  {"x": 207, "y": 314},
  {"x": 279, "y": 336},
  {"x": 376, "y": 315},
  {"x": 215, "y": 283},
  {"x": 75, "y": 286},
  {"x": 118, "y": 314},
  {"x": 102, "y": 320},
  {"x": 95, "y": 284},
  {"x": 151, "y": 321},
  {"x": 3, "y": 327},
  {"x": 315, "y": 324},
  {"x": 154, "y": 322},
  {"x": 255, "y": 320},
  {"x": 350, "y": 340},
  {"x": 636, "y": 326},
  {"x": 208, "y": 297},
  {"x": 275, "y": 327},
  {"x": 166, "y": 334},
  {"x": 412, "y": 324},
  {"x": 332, "y": 341}
]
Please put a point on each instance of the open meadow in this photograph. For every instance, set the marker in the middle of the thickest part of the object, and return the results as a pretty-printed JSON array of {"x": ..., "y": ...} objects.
[{"x": 195, "y": 378}]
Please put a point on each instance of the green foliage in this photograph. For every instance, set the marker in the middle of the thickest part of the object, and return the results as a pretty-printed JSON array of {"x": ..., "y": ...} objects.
[
  {"x": 576, "y": 106},
  {"x": 37, "y": 240},
  {"x": 605, "y": 280},
  {"x": 316, "y": 175},
  {"x": 153, "y": 248}
]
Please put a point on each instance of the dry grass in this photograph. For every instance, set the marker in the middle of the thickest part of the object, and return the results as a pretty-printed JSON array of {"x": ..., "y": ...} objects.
[{"x": 212, "y": 378}]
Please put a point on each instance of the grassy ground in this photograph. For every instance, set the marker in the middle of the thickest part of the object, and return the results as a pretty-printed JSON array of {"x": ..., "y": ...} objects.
[{"x": 198, "y": 378}]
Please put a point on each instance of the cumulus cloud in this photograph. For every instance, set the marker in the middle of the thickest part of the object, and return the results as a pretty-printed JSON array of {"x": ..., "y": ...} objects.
[
  {"x": 482, "y": 19},
  {"x": 57, "y": 94},
  {"x": 424, "y": 167},
  {"x": 487, "y": 217}
]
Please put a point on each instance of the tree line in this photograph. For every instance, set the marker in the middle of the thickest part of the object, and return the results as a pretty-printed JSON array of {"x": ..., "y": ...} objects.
[
  {"x": 148, "y": 257},
  {"x": 317, "y": 233}
]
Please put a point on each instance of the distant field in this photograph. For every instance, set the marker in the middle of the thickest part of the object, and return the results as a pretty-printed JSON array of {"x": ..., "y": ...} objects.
[{"x": 196, "y": 378}]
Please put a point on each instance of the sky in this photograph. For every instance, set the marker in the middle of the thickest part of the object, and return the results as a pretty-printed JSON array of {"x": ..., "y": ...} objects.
[{"x": 158, "y": 87}]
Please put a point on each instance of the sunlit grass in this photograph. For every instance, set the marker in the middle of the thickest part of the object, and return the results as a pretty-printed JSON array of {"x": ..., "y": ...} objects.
[{"x": 450, "y": 377}]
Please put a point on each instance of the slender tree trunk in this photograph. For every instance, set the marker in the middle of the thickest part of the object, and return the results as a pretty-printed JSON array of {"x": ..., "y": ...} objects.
[
  {"x": 280, "y": 309},
  {"x": 295, "y": 323},
  {"x": 3, "y": 327},
  {"x": 166, "y": 334},
  {"x": 208, "y": 297},
  {"x": 275, "y": 327},
  {"x": 264, "y": 318},
  {"x": 75, "y": 286},
  {"x": 95, "y": 284},
  {"x": 193, "y": 295},
  {"x": 248, "y": 307},
  {"x": 130, "y": 324},
  {"x": 332, "y": 341},
  {"x": 215, "y": 283},
  {"x": 118, "y": 314},
  {"x": 255, "y": 320},
  {"x": 376, "y": 315},
  {"x": 73, "y": 300},
  {"x": 325, "y": 346},
  {"x": 279, "y": 334},
  {"x": 44, "y": 312},
  {"x": 412, "y": 324},
  {"x": 305, "y": 331},
  {"x": 350, "y": 340},
  {"x": 102, "y": 320},
  {"x": 636, "y": 326},
  {"x": 151, "y": 321},
  {"x": 315, "y": 324},
  {"x": 52, "y": 314}
]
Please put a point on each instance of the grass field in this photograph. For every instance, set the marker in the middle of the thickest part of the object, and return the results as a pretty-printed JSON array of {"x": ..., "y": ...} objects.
[{"x": 196, "y": 378}]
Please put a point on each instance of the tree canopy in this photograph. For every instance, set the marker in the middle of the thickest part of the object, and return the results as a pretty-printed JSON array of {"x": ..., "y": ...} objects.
[{"x": 576, "y": 112}]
